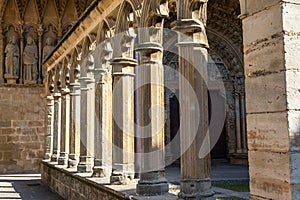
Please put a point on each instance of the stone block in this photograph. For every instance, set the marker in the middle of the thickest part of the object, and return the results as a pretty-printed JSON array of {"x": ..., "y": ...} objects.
[
  {"x": 6, "y": 123},
  {"x": 3, "y": 139},
  {"x": 290, "y": 17},
  {"x": 255, "y": 6},
  {"x": 272, "y": 60},
  {"x": 36, "y": 124},
  {"x": 270, "y": 174},
  {"x": 13, "y": 139},
  {"x": 268, "y": 132},
  {"x": 292, "y": 51},
  {"x": 293, "y": 89},
  {"x": 258, "y": 100},
  {"x": 25, "y": 139},
  {"x": 7, "y": 147},
  {"x": 263, "y": 23},
  {"x": 20, "y": 123}
]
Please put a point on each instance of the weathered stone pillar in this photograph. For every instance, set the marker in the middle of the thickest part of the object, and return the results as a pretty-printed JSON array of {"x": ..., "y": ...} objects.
[
  {"x": 87, "y": 113},
  {"x": 272, "y": 98},
  {"x": 65, "y": 127},
  {"x": 50, "y": 128},
  {"x": 193, "y": 98},
  {"x": 57, "y": 127},
  {"x": 123, "y": 120},
  {"x": 103, "y": 133},
  {"x": 151, "y": 117},
  {"x": 74, "y": 125}
]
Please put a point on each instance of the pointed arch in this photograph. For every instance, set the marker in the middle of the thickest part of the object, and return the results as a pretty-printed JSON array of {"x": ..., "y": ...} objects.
[
  {"x": 102, "y": 31},
  {"x": 152, "y": 9}
]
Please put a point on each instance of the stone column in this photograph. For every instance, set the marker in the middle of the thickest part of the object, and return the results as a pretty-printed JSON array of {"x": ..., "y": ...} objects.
[
  {"x": 194, "y": 139},
  {"x": 238, "y": 123},
  {"x": 272, "y": 75},
  {"x": 243, "y": 123},
  {"x": 87, "y": 114},
  {"x": 50, "y": 128},
  {"x": 167, "y": 119},
  {"x": 65, "y": 127},
  {"x": 21, "y": 29},
  {"x": 74, "y": 150},
  {"x": 40, "y": 46},
  {"x": 151, "y": 120},
  {"x": 57, "y": 127},
  {"x": 123, "y": 120},
  {"x": 103, "y": 133}
]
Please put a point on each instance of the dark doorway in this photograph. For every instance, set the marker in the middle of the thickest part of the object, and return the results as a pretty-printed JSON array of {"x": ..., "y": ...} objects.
[{"x": 174, "y": 116}]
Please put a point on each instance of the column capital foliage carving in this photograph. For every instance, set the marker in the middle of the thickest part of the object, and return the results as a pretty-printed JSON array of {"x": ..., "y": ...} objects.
[
  {"x": 192, "y": 17},
  {"x": 152, "y": 23}
]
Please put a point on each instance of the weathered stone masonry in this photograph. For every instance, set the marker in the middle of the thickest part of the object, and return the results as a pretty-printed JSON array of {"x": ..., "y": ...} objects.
[{"x": 22, "y": 128}]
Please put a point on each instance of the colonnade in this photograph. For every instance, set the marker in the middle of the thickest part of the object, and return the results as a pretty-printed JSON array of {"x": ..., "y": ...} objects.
[{"x": 91, "y": 101}]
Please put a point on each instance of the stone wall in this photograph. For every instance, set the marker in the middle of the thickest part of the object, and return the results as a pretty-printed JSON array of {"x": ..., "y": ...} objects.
[
  {"x": 22, "y": 128},
  {"x": 72, "y": 186}
]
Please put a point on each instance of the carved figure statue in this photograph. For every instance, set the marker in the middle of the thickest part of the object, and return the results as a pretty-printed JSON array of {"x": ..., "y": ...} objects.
[
  {"x": 48, "y": 48},
  {"x": 12, "y": 54},
  {"x": 30, "y": 60}
]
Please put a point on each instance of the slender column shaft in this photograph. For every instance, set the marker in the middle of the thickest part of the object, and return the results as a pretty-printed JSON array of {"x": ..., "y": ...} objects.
[
  {"x": 21, "y": 55},
  {"x": 243, "y": 123},
  {"x": 65, "y": 124},
  {"x": 50, "y": 128},
  {"x": 151, "y": 123},
  {"x": 103, "y": 133},
  {"x": 74, "y": 125},
  {"x": 40, "y": 34},
  {"x": 57, "y": 129},
  {"x": 238, "y": 123},
  {"x": 123, "y": 121},
  {"x": 87, "y": 110}
]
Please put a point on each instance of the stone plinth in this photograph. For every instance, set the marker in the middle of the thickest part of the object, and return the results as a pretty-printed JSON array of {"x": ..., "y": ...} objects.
[{"x": 10, "y": 78}]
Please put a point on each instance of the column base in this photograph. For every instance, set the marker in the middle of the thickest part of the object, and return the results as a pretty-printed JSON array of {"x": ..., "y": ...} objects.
[
  {"x": 152, "y": 184},
  {"x": 47, "y": 157},
  {"x": 101, "y": 172},
  {"x": 196, "y": 189},
  {"x": 11, "y": 79},
  {"x": 85, "y": 164},
  {"x": 73, "y": 161},
  {"x": 54, "y": 157},
  {"x": 28, "y": 82},
  {"x": 122, "y": 174},
  {"x": 63, "y": 158}
]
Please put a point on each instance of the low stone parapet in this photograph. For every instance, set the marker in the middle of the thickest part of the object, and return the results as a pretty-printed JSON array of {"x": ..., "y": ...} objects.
[{"x": 72, "y": 185}]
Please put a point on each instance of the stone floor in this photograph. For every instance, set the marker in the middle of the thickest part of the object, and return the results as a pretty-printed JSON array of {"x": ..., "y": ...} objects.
[
  {"x": 24, "y": 186},
  {"x": 29, "y": 187}
]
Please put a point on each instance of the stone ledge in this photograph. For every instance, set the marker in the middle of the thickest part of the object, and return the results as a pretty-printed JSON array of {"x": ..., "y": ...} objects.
[{"x": 71, "y": 185}]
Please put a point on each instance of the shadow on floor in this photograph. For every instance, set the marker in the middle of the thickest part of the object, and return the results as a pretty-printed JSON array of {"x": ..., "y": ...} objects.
[{"x": 25, "y": 187}]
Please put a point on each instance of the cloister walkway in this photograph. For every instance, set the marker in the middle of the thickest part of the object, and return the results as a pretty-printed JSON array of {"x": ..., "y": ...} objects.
[{"x": 29, "y": 186}]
